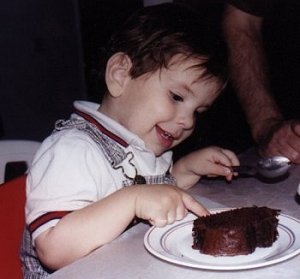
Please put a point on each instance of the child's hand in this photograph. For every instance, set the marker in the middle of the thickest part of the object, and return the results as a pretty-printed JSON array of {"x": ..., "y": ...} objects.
[
  {"x": 164, "y": 204},
  {"x": 210, "y": 161},
  {"x": 214, "y": 161}
]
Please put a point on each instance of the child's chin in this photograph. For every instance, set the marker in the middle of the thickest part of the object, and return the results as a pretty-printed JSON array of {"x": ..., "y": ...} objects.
[
  {"x": 158, "y": 153},
  {"x": 157, "y": 150}
]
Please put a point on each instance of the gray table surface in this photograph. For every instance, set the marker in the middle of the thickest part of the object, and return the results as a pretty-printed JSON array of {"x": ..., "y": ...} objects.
[{"x": 126, "y": 257}]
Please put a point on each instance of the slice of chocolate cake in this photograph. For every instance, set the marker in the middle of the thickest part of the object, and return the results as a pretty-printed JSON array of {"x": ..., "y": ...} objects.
[{"x": 235, "y": 232}]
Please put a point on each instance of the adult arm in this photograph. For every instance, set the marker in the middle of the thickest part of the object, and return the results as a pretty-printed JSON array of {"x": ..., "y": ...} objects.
[{"x": 249, "y": 76}]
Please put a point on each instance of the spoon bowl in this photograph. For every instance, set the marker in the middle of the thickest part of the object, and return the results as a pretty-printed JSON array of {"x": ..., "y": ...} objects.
[
  {"x": 272, "y": 167},
  {"x": 269, "y": 167}
]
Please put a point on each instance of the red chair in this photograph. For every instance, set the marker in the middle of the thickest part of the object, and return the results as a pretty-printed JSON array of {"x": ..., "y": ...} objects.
[
  {"x": 12, "y": 220},
  {"x": 16, "y": 151}
]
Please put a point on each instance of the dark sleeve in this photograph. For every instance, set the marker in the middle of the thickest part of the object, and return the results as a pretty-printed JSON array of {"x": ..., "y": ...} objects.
[{"x": 254, "y": 7}]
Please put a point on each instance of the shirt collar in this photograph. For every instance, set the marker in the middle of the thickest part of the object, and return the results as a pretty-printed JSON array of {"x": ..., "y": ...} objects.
[
  {"x": 154, "y": 164},
  {"x": 107, "y": 125}
]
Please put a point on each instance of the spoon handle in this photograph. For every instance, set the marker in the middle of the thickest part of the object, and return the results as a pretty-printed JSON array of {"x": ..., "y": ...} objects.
[{"x": 244, "y": 170}]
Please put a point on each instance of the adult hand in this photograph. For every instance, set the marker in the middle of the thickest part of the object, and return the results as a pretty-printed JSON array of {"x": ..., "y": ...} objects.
[{"x": 283, "y": 139}]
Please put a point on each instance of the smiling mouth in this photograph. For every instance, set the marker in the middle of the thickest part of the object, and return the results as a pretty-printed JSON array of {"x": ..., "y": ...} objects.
[
  {"x": 166, "y": 135},
  {"x": 166, "y": 139}
]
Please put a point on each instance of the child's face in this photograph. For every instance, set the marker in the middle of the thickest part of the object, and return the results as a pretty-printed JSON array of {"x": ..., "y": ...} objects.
[{"x": 161, "y": 107}]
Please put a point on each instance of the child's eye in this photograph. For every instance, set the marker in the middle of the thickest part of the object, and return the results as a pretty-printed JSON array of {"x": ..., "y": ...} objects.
[
  {"x": 176, "y": 97},
  {"x": 201, "y": 110}
]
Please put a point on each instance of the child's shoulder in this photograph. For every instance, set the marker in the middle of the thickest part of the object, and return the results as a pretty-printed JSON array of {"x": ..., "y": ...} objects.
[{"x": 69, "y": 139}]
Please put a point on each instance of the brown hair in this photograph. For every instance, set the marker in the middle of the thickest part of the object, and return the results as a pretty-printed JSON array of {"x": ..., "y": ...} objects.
[{"x": 153, "y": 35}]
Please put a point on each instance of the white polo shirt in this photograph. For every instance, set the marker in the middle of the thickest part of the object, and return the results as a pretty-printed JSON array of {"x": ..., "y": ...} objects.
[{"x": 70, "y": 171}]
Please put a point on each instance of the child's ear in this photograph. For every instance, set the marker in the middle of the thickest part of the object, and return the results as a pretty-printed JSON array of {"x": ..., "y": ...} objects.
[{"x": 117, "y": 73}]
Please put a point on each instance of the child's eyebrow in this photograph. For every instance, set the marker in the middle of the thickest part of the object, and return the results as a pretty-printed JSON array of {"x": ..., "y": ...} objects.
[{"x": 188, "y": 89}]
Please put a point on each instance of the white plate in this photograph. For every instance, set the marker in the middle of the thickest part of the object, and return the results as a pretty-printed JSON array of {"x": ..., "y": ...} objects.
[{"x": 173, "y": 244}]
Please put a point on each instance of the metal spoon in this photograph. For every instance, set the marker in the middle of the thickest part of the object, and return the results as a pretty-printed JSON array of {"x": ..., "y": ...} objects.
[{"x": 270, "y": 167}]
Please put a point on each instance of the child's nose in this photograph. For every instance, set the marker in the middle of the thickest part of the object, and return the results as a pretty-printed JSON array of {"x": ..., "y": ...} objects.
[{"x": 186, "y": 121}]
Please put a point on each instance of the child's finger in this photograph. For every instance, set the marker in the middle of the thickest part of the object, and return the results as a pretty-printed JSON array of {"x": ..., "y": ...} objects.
[
  {"x": 219, "y": 169},
  {"x": 181, "y": 212},
  {"x": 232, "y": 157},
  {"x": 158, "y": 222},
  {"x": 194, "y": 206}
]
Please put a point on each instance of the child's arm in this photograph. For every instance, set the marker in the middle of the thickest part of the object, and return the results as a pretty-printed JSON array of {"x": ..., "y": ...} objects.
[
  {"x": 211, "y": 161},
  {"x": 82, "y": 231}
]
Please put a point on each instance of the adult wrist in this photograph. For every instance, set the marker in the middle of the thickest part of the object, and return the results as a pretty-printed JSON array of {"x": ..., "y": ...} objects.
[{"x": 264, "y": 135}]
